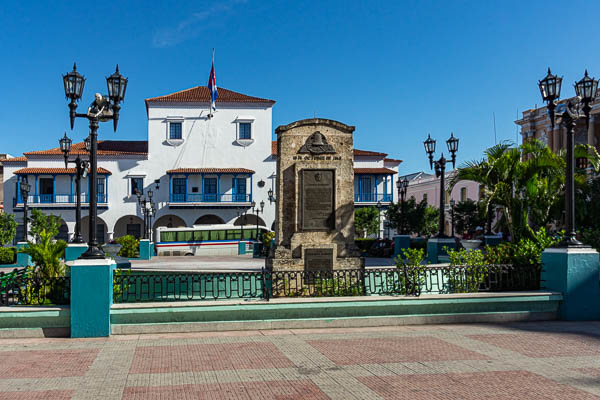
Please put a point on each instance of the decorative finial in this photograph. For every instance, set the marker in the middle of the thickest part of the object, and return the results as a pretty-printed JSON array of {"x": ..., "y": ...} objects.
[
  {"x": 74, "y": 66},
  {"x": 117, "y": 67}
]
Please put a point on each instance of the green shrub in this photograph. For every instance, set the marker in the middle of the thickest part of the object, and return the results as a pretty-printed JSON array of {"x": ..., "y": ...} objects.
[
  {"x": 8, "y": 228},
  {"x": 469, "y": 279},
  {"x": 525, "y": 252},
  {"x": 8, "y": 255},
  {"x": 592, "y": 237},
  {"x": 130, "y": 246}
]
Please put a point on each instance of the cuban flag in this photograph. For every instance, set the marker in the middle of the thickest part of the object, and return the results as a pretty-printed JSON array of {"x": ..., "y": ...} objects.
[{"x": 212, "y": 85}]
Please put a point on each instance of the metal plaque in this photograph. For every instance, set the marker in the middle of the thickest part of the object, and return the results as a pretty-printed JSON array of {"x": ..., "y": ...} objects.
[
  {"x": 318, "y": 212},
  {"x": 318, "y": 260}
]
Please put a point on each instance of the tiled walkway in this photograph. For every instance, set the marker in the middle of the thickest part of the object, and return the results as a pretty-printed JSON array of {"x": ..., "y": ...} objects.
[{"x": 543, "y": 360}]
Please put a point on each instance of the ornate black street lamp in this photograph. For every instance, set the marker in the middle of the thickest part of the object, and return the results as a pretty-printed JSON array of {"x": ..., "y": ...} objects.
[
  {"x": 81, "y": 167},
  {"x": 272, "y": 198},
  {"x": 103, "y": 108},
  {"x": 586, "y": 90},
  {"x": 148, "y": 209},
  {"x": 257, "y": 211},
  {"x": 402, "y": 186},
  {"x": 440, "y": 169},
  {"x": 452, "y": 204},
  {"x": 25, "y": 188}
]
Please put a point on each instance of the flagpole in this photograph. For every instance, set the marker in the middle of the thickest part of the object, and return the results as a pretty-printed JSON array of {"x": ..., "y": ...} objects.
[{"x": 210, "y": 105}]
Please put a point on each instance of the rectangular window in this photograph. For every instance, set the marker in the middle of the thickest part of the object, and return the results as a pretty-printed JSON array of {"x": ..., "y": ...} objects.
[
  {"x": 425, "y": 197},
  {"x": 100, "y": 187},
  {"x": 175, "y": 130},
  {"x": 240, "y": 189},
  {"x": 46, "y": 190},
  {"x": 137, "y": 184},
  {"x": 367, "y": 192},
  {"x": 245, "y": 130},
  {"x": 167, "y": 236},
  {"x": 210, "y": 189},
  {"x": 185, "y": 236},
  {"x": 463, "y": 194},
  {"x": 179, "y": 189}
]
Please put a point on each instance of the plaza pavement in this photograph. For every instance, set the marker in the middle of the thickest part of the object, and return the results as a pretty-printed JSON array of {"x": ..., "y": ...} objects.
[{"x": 535, "y": 360}]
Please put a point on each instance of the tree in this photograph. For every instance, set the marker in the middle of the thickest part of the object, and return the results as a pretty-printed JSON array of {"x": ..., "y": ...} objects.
[
  {"x": 366, "y": 221},
  {"x": 46, "y": 254},
  {"x": 430, "y": 221},
  {"x": 8, "y": 228},
  {"x": 41, "y": 222},
  {"x": 525, "y": 181},
  {"x": 409, "y": 217},
  {"x": 468, "y": 215}
]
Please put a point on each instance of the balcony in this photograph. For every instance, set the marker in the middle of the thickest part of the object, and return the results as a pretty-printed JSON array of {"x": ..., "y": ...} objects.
[
  {"x": 372, "y": 198},
  {"x": 209, "y": 199},
  {"x": 58, "y": 200}
]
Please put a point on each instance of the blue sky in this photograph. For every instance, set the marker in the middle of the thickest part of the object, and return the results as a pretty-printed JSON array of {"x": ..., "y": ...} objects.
[{"x": 397, "y": 70}]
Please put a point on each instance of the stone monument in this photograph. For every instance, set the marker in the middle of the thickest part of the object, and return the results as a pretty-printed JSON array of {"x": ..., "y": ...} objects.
[{"x": 315, "y": 198}]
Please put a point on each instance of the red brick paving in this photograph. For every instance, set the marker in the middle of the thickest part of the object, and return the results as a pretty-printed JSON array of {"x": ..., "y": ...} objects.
[
  {"x": 399, "y": 349},
  {"x": 205, "y": 357},
  {"x": 509, "y": 385},
  {"x": 275, "y": 390},
  {"x": 42, "y": 395},
  {"x": 545, "y": 344},
  {"x": 46, "y": 363},
  {"x": 595, "y": 372}
]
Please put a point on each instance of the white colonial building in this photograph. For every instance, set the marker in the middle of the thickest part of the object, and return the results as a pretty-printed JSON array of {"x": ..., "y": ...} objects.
[{"x": 200, "y": 169}]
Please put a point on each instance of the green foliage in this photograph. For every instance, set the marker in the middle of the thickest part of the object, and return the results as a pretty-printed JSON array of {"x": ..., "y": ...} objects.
[
  {"x": 410, "y": 258},
  {"x": 527, "y": 252},
  {"x": 430, "y": 224},
  {"x": 412, "y": 278},
  {"x": 8, "y": 255},
  {"x": 118, "y": 290},
  {"x": 130, "y": 246},
  {"x": 468, "y": 215},
  {"x": 471, "y": 258},
  {"x": 38, "y": 222},
  {"x": 471, "y": 275},
  {"x": 366, "y": 221},
  {"x": 525, "y": 181},
  {"x": 412, "y": 217},
  {"x": 8, "y": 228},
  {"x": 46, "y": 255}
]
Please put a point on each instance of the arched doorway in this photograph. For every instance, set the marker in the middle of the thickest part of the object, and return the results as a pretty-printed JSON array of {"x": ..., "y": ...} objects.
[
  {"x": 101, "y": 229},
  {"x": 169, "y": 221},
  {"x": 129, "y": 225},
  {"x": 209, "y": 219},
  {"x": 249, "y": 219}
]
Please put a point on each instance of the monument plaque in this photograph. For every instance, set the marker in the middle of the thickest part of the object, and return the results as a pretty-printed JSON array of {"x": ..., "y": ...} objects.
[
  {"x": 318, "y": 199},
  {"x": 318, "y": 260}
]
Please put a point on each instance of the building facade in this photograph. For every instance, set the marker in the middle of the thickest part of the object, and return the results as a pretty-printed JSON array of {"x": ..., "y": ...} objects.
[
  {"x": 424, "y": 186},
  {"x": 200, "y": 168},
  {"x": 535, "y": 123}
]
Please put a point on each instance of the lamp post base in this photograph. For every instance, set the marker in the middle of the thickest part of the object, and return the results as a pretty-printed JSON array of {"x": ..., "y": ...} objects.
[
  {"x": 571, "y": 242},
  {"x": 93, "y": 253}
]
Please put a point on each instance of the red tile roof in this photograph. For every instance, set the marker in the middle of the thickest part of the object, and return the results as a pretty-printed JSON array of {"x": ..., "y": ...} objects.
[
  {"x": 383, "y": 171},
  {"x": 392, "y": 160},
  {"x": 356, "y": 152},
  {"x": 210, "y": 171},
  {"x": 201, "y": 94},
  {"x": 14, "y": 159},
  {"x": 368, "y": 153},
  {"x": 55, "y": 171},
  {"x": 105, "y": 148}
]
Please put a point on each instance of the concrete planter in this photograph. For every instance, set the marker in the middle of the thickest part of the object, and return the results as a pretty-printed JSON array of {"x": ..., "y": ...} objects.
[
  {"x": 470, "y": 244},
  {"x": 112, "y": 249}
]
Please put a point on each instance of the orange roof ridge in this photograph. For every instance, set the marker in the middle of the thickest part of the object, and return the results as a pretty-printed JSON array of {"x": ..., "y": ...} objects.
[
  {"x": 202, "y": 94},
  {"x": 210, "y": 171},
  {"x": 57, "y": 171}
]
